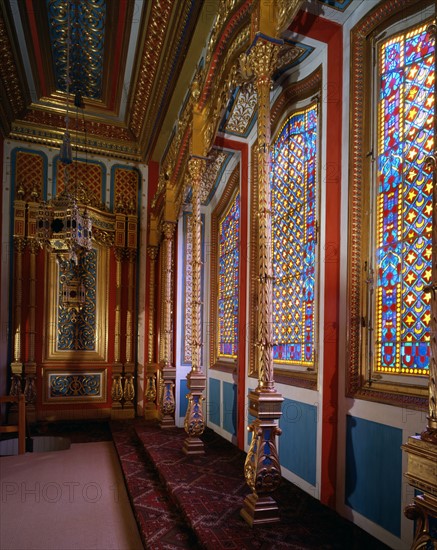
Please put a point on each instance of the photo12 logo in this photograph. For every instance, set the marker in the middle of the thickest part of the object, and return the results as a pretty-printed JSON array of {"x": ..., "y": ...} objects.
[{"x": 54, "y": 492}]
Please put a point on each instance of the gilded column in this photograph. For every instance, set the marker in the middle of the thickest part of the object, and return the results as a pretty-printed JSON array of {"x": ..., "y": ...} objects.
[
  {"x": 194, "y": 423},
  {"x": 422, "y": 450},
  {"x": 168, "y": 371},
  {"x": 30, "y": 365},
  {"x": 151, "y": 371},
  {"x": 129, "y": 367},
  {"x": 117, "y": 367},
  {"x": 262, "y": 469},
  {"x": 17, "y": 365}
]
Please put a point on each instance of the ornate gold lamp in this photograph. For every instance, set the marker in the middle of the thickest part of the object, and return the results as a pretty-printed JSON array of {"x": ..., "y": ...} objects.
[
  {"x": 62, "y": 228},
  {"x": 60, "y": 225}
]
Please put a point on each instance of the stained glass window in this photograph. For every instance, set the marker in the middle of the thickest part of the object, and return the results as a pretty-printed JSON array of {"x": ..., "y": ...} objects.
[
  {"x": 229, "y": 262},
  {"x": 294, "y": 241},
  {"x": 404, "y": 203}
]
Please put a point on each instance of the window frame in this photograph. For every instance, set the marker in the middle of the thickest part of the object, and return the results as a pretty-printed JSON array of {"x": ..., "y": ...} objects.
[
  {"x": 385, "y": 21},
  {"x": 232, "y": 187},
  {"x": 294, "y": 97}
]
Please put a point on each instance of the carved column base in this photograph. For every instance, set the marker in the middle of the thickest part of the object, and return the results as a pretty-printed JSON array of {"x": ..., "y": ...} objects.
[
  {"x": 167, "y": 405},
  {"x": 129, "y": 390},
  {"x": 167, "y": 421},
  {"x": 150, "y": 410},
  {"x": 422, "y": 475},
  {"x": 117, "y": 391},
  {"x": 259, "y": 509},
  {"x": 193, "y": 446},
  {"x": 15, "y": 390},
  {"x": 30, "y": 391},
  {"x": 262, "y": 469},
  {"x": 194, "y": 423}
]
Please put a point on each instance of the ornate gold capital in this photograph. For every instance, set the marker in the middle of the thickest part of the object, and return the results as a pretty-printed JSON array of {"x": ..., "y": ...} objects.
[
  {"x": 261, "y": 60},
  {"x": 34, "y": 247},
  {"x": 119, "y": 253},
  {"x": 168, "y": 229},
  {"x": 19, "y": 245},
  {"x": 152, "y": 251},
  {"x": 196, "y": 168},
  {"x": 131, "y": 254}
]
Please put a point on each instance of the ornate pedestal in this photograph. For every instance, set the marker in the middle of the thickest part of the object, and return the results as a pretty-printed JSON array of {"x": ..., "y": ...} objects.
[
  {"x": 262, "y": 469},
  {"x": 168, "y": 401},
  {"x": 422, "y": 474},
  {"x": 194, "y": 424}
]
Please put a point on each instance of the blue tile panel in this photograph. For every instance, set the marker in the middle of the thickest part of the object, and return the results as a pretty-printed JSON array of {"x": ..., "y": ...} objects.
[
  {"x": 298, "y": 442},
  {"x": 374, "y": 472},
  {"x": 214, "y": 401},
  {"x": 183, "y": 401},
  {"x": 230, "y": 408}
]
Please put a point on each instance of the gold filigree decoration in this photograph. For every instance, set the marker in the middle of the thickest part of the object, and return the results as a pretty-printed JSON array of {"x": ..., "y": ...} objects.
[
  {"x": 154, "y": 41},
  {"x": 262, "y": 469},
  {"x": 243, "y": 111},
  {"x": 286, "y": 11},
  {"x": 9, "y": 73}
]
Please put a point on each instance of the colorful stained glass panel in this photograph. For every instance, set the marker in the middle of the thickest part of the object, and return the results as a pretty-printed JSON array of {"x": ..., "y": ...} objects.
[
  {"x": 294, "y": 238},
  {"x": 404, "y": 203},
  {"x": 229, "y": 262}
]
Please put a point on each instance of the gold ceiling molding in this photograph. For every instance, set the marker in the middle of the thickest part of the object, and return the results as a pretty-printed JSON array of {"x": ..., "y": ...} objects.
[
  {"x": 232, "y": 16},
  {"x": 181, "y": 26},
  {"x": 227, "y": 77},
  {"x": 213, "y": 86},
  {"x": 13, "y": 94},
  {"x": 286, "y": 11},
  {"x": 153, "y": 40},
  {"x": 49, "y": 137}
]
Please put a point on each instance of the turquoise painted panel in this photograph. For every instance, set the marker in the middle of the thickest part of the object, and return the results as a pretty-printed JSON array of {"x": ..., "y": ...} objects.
[
  {"x": 183, "y": 401},
  {"x": 230, "y": 408},
  {"x": 250, "y": 419},
  {"x": 298, "y": 442},
  {"x": 374, "y": 472},
  {"x": 214, "y": 401}
]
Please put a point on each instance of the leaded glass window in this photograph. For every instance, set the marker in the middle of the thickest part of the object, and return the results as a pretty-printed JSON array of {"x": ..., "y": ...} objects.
[
  {"x": 403, "y": 234},
  {"x": 228, "y": 283},
  {"x": 294, "y": 238}
]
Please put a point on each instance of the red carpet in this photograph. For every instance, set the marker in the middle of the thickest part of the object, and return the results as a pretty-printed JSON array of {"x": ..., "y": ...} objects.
[
  {"x": 209, "y": 491},
  {"x": 161, "y": 525}
]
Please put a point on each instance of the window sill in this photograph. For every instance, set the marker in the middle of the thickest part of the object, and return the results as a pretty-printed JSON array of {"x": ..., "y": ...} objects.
[
  {"x": 414, "y": 397},
  {"x": 299, "y": 379}
]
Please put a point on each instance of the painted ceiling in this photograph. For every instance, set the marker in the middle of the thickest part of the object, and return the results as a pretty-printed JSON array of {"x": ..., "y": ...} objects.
[{"x": 118, "y": 70}]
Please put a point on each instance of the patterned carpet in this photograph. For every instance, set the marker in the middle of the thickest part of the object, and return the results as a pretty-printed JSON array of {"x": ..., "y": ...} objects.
[
  {"x": 209, "y": 491},
  {"x": 160, "y": 523}
]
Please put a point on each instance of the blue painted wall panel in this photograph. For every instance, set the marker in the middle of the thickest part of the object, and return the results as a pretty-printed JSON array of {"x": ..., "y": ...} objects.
[
  {"x": 298, "y": 442},
  {"x": 183, "y": 401},
  {"x": 230, "y": 408},
  {"x": 250, "y": 419},
  {"x": 374, "y": 472},
  {"x": 214, "y": 401}
]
